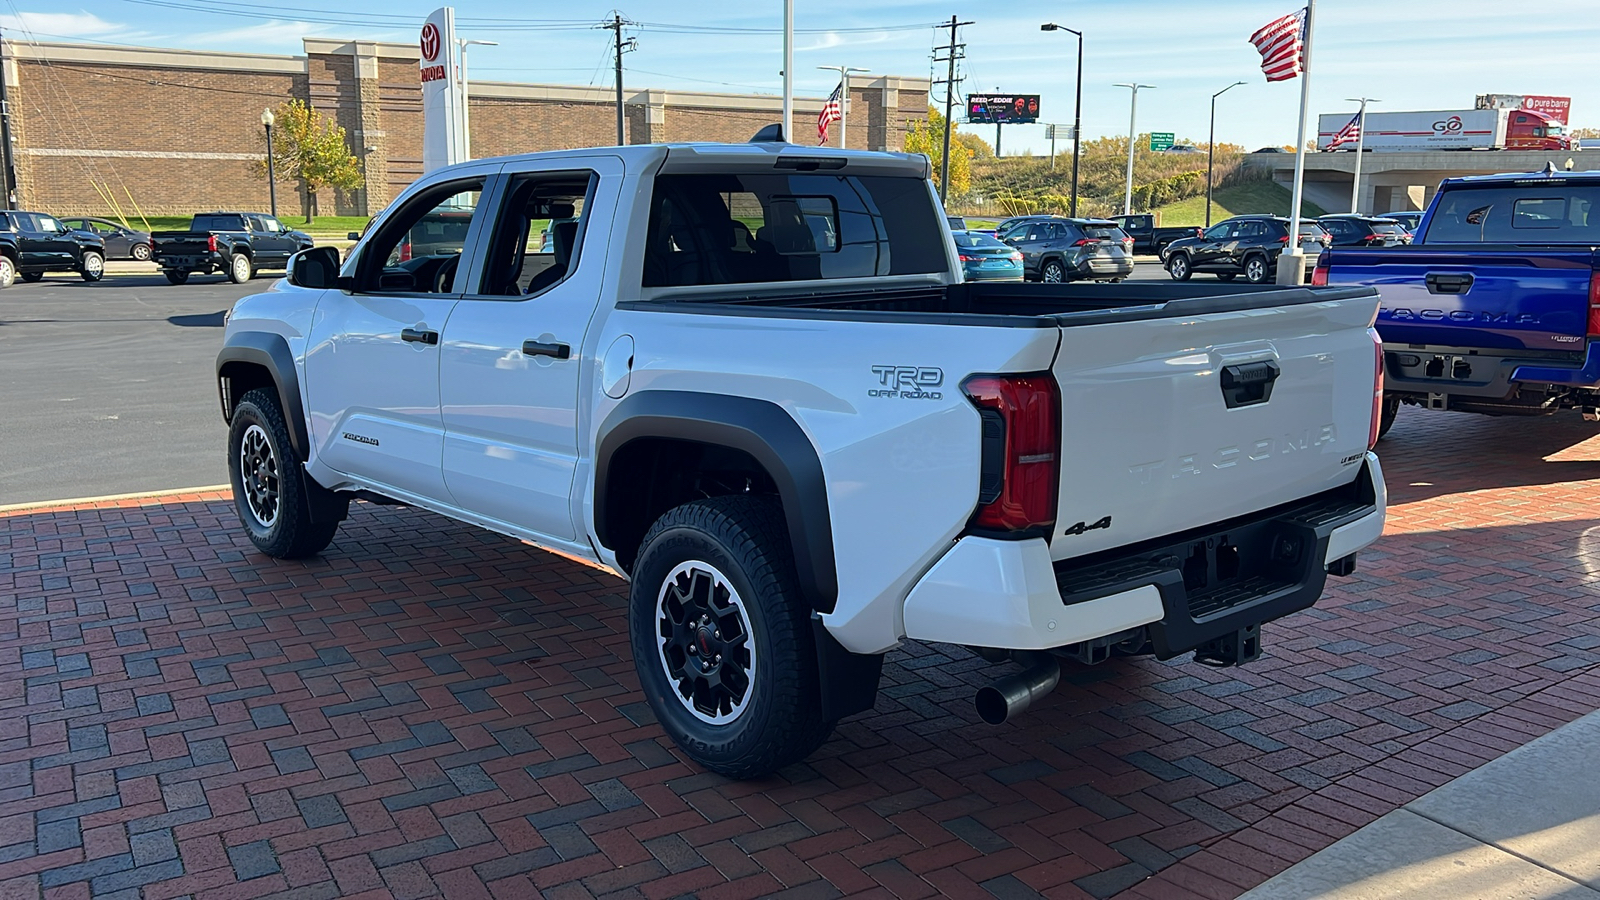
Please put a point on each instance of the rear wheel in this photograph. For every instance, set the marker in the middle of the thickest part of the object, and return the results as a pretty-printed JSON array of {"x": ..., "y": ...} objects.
[
  {"x": 176, "y": 276},
  {"x": 1224, "y": 276},
  {"x": 1053, "y": 272},
  {"x": 8, "y": 272},
  {"x": 93, "y": 266},
  {"x": 722, "y": 640},
  {"x": 1391, "y": 409},
  {"x": 240, "y": 269},
  {"x": 32, "y": 277},
  {"x": 271, "y": 497},
  {"x": 1178, "y": 267},
  {"x": 1255, "y": 269},
  {"x": 141, "y": 252}
]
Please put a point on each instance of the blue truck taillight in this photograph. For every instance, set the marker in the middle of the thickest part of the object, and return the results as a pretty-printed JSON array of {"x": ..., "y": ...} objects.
[
  {"x": 1021, "y": 448},
  {"x": 1594, "y": 305}
]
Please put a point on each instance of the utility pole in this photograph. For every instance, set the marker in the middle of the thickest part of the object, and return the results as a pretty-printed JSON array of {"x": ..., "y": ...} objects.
[
  {"x": 1133, "y": 134},
  {"x": 1211, "y": 145},
  {"x": 844, "y": 98},
  {"x": 12, "y": 197},
  {"x": 951, "y": 51},
  {"x": 622, "y": 46},
  {"x": 1361, "y": 140}
]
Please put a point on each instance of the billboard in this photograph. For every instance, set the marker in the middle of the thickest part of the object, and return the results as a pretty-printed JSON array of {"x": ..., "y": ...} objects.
[
  {"x": 1002, "y": 109},
  {"x": 1557, "y": 108},
  {"x": 441, "y": 116}
]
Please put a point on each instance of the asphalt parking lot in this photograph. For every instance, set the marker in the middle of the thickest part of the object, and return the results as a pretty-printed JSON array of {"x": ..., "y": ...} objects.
[{"x": 432, "y": 710}]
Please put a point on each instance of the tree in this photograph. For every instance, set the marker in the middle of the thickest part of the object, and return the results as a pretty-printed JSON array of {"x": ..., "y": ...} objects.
[
  {"x": 927, "y": 137},
  {"x": 977, "y": 146},
  {"x": 312, "y": 148},
  {"x": 1585, "y": 133}
]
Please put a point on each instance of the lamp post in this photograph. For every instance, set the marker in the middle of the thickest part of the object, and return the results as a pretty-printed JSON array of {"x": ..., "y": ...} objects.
[
  {"x": 788, "y": 71},
  {"x": 844, "y": 97},
  {"x": 1211, "y": 146},
  {"x": 267, "y": 118},
  {"x": 1077, "y": 111},
  {"x": 466, "y": 121},
  {"x": 1361, "y": 140},
  {"x": 1133, "y": 112}
]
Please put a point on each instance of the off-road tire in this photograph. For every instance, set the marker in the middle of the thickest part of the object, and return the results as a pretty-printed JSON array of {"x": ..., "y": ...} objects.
[
  {"x": 1256, "y": 269},
  {"x": 743, "y": 538},
  {"x": 240, "y": 268},
  {"x": 1391, "y": 409},
  {"x": 8, "y": 271},
  {"x": 176, "y": 276},
  {"x": 289, "y": 533},
  {"x": 32, "y": 277},
  {"x": 92, "y": 267},
  {"x": 1178, "y": 267}
]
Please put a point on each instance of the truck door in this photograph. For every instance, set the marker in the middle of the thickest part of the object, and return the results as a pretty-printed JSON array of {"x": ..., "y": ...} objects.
[
  {"x": 372, "y": 370},
  {"x": 513, "y": 354},
  {"x": 273, "y": 239}
]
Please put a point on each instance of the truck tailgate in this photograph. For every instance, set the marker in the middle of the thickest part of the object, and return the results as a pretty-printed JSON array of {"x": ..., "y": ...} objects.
[
  {"x": 1153, "y": 442},
  {"x": 181, "y": 243},
  {"x": 1504, "y": 299}
]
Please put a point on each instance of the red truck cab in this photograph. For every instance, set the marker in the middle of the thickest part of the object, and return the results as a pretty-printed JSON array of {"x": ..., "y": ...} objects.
[{"x": 1530, "y": 130}]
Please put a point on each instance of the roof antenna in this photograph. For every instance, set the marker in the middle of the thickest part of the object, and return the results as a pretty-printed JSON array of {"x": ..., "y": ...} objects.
[
  {"x": 772, "y": 134},
  {"x": 1549, "y": 167}
]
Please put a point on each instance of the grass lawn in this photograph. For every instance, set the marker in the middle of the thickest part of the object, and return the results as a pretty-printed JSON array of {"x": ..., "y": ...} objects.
[
  {"x": 1235, "y": 200},
  {"x": 332, "y": 226}
]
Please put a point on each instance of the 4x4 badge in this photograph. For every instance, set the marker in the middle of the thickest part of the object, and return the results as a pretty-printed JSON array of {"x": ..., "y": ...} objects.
[{"x": 1081, "y": 527}]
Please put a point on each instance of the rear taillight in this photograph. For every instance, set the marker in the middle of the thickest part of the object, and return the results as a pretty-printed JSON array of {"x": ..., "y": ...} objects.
[
  {"x": 1372, "y": 237},
  {"x": 405, "y": 250},
  {"x": 1377, "y": 388},
  {"x": 211, "y": 242},
  {"x": 1083, "y": 242},
  {"x": 1284, "y": 239},
  {"x": 1021, "y": 417},
  {"x": 1319, "y": 274},
  {"x": 965, "y": 258},
  {"x": 1015, "y": 257},
  {"x": 1594, "y": 305}
]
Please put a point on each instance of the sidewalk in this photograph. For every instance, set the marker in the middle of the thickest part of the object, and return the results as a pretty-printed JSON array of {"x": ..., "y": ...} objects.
[{"x": 1526, "y": 825}]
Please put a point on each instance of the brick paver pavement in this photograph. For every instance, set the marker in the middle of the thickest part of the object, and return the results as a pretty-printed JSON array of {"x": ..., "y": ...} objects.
[{"x": 430, "y": 709}]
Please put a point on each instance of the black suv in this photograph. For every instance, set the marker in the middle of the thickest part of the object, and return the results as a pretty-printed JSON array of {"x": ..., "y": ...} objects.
[
  {"x": 45, "y": 244},
  {"x": 1365, "y": 231},
  {"x": 1242, "y": 245}
]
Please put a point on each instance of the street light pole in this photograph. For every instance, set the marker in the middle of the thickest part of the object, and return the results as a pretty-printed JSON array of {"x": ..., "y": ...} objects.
[
  {"x": 1211, "y": 146},
  {"x": 267, "y": 118},
  {"x": 844, "y": 97},
  {"x": 1133, "y": 113},
  {"x": 1077, "y": 111},
  {"x": 1361, "y": 140},
  {"x": 788, "y": 71},
  {"x": 466, "y": 120}
]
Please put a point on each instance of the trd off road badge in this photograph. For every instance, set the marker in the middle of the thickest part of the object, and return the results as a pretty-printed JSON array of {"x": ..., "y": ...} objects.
[{"x": 908, "y": 382}]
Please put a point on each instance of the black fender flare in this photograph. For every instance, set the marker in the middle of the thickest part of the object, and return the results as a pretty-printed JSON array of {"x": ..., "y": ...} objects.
[
  {"x": 271, "y": 352},
  {"x": 757, "y": 427}
]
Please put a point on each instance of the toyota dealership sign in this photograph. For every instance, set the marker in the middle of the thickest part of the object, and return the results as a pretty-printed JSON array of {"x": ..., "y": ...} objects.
[{"x": 442, "y": 142}]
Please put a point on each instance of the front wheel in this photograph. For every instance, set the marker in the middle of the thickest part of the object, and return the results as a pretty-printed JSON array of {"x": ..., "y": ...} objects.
[
  {"x": 240, "y": 269},
  {"x": 1053, "y": 272},
  {"x": 722, "y": 639},
  {"x": 272, "y": 499},
  {"x": 176, "y": 276},
  {"x": 1255, "y": 270},
  {"x": 1178, "y": 267},
  {"x": 8, "y": 272},
  {"x": 93, "y": 266}
]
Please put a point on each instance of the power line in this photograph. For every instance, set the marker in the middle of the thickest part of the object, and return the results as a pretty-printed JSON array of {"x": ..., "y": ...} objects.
[{"x": 953, "y": 51}]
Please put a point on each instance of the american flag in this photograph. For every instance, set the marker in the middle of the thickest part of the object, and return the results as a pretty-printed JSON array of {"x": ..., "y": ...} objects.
[
  {"x": 1349, "y": 134},
  {"x": 832, "y": 111},
  {"x": 1281, "y": 44}
]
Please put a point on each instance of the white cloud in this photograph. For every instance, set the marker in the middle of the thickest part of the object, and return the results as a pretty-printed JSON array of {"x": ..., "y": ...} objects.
[{"x": 78, "y": 24}]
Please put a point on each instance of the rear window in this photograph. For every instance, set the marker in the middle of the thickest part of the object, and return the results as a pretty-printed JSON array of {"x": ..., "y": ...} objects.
[
  {"x": 1386, "y": 228},
  {"x": 1307, "y": 229},
  {"x": 971, "y": 240},
  {"x": 217, "y": 223},
  {"x": 1102, "y": 232},
  {"x": 1540, "y": 214},
  {"x": 743, "y": 229}
]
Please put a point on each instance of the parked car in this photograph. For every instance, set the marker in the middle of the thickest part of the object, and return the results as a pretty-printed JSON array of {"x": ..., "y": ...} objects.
[
  {"x": 1183, "y": 148},
  {"x": 45, "y": 244},
  {"x": 1242, "y": 245},
  {"x": 237, "y": 244},
  {"x": 1006, "y": 226},
  {"x": 1060, "y": 250},
  {"x": 1147, "y": 237},
  {"x": 1408, "y": 219},
  {"x": 1126, "y": 240},
  {"x": 121, "y": 241},
  {"x": 1495, "y": 308},
  {"x": 868, "y": 453},
  {"x": 987, "y": 258},
  {"x": 1274, "y": 150},
  {"x": 1350, "y": 230}
]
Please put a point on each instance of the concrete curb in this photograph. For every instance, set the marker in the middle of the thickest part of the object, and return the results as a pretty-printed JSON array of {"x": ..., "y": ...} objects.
[{"x": 207, "y": 492}]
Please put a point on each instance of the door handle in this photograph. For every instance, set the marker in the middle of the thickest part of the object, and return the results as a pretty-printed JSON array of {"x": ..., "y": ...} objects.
[
  {"x": 1448, "y": 282},
  {"x": 552, "y": 349},
  {"x": 419, "y": 336}
]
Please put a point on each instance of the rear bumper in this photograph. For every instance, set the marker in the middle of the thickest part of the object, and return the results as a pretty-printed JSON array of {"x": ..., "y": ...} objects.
[
  {"x": 1486, "y": 375},
  {"x": 1185, "y": 590},
  {"x": 1115, "y": 268}
]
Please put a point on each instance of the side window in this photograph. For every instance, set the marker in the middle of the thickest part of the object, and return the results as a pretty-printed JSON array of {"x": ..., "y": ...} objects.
[
  {"x": 418, "y": 249},
  {"x": 1218, "y": 232},
  {"x": 49, "y": 225},
  {"x": 271, "y": 225},
  {"x": 537, "y": 241}
]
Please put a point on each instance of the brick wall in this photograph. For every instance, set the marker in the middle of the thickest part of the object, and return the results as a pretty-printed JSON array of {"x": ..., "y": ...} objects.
[{"x": 180, "y": 131}]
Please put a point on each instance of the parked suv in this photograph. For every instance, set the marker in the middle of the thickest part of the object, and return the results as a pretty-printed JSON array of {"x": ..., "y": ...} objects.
[
  {"x": 1058, "y": 250},
  {"x": 1242, "y": 245},
  {"x": 45, "y": 244},
  {"x": 1349, "y": 230}
]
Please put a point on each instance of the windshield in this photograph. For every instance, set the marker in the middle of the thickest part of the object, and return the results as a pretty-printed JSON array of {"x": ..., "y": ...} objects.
[{"x": 971, "y": 240}]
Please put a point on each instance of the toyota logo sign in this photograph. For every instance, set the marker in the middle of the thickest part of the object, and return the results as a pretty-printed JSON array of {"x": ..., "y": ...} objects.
[{"x": 430, "y": 42}]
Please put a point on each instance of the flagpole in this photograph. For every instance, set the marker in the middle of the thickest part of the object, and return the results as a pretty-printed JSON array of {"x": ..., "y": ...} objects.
[
  {"x": 1291, "y": 263},
  {"x": 1361, "y": 140}
]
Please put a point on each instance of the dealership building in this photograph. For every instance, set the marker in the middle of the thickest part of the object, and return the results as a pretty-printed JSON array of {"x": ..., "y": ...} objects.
[{"x": 96, "y": 129}]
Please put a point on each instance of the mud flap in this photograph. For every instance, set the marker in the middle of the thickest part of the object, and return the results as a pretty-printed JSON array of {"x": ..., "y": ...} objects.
[{"x": 849, "y": 681}]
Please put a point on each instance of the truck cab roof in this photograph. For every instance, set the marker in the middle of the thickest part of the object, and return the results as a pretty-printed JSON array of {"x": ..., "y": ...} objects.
[{"x": 1558, "y": 176}]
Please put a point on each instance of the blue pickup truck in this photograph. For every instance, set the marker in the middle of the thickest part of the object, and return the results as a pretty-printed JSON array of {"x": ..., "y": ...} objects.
[{"x": 1495, "y": 307}]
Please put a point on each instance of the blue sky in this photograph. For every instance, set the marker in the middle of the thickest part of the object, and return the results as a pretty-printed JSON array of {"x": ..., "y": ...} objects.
[{"x": 1412, "y": 54}]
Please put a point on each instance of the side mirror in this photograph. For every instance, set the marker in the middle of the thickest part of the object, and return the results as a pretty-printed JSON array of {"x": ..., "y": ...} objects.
[
  {"x": 316, "y": 268},
  {"x": 354, "y": 236}
]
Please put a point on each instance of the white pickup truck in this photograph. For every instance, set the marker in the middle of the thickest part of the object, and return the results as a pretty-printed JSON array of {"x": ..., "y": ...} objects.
[{"x": 750, "y": 379}]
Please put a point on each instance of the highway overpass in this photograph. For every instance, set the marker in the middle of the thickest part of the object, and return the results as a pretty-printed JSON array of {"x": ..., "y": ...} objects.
[{"x": 1397, "y": 181}]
